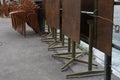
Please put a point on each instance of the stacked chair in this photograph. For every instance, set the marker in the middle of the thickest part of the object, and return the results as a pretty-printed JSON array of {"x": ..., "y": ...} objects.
[
  {"x": 22, "y": 14},
  {"x": 4, "y": 10},
  {"x": 1, "y": 11}
]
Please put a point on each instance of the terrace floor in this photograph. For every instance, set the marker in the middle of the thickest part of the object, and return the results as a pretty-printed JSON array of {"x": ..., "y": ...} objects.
[{"x": 27, "y": 58}]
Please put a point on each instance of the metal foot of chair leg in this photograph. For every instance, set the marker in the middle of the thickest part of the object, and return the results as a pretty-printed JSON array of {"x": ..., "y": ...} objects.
[
  {"x": 57, "y": 56},
  {"x": 69, "y": 62},
  {"x": 84, "y": 73},
  {"x": 84, "y": 62}
]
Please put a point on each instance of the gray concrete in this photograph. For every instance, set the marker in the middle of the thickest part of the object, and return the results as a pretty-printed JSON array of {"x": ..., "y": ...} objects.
[{"x": 29, "y": 59}]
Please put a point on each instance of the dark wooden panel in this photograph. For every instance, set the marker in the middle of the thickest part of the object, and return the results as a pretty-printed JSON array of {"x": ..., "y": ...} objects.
[
  {"x": 103, "y": 30},
  {"x": 86, "y": 5},
  {"x": 71, "y": 19},
  {"x": 52, "y": 12},
  {"x": 84, "y": 29},
  {"x": 104, "y": 27},
  {"x": 47, "y": 12},
  {"x": 55, "y": 13}
]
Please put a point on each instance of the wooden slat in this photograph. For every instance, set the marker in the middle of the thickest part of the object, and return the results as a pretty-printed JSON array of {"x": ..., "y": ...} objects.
[{"x": 71, "y": 19}]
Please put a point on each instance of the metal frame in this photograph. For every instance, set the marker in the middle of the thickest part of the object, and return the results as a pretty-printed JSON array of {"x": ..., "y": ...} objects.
[
  {"x": 52, "y": 45},
  {"x": 90, "y": 71},
  {"x": 107, "y": 65}
]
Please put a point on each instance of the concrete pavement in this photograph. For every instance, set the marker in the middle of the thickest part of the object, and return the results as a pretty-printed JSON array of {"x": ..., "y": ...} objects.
[{"x": 29, "y": 59}]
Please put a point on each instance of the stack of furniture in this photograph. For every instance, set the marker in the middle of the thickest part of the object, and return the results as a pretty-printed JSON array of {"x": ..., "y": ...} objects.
[{"x": 24, "y": 13}]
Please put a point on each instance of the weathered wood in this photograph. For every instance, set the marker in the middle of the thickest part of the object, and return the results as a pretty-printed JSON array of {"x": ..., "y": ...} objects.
[
  {"x": 52, "y": 12},
  {"x": 71, "y": 19},
  {"x": 104, "y": 25},
  {"x": 47, "y": 12},
  {"x": 55, "y": 14}
]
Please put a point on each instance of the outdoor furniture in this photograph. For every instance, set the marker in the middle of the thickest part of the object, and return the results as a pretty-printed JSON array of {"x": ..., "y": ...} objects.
[{"x": 25, "y": 12}]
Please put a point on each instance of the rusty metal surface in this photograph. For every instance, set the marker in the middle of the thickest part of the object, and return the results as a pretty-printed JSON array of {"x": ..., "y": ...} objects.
[
  {"x": 71, "y": 19},
  {"x": 52, "y": 12},
  {"x": 103, "y": 30}
]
